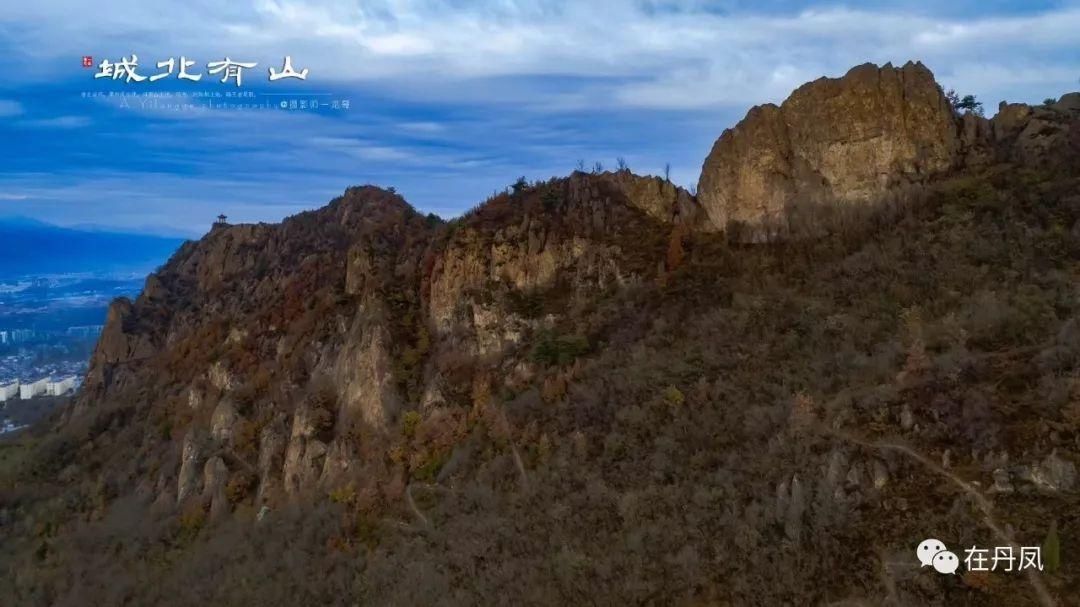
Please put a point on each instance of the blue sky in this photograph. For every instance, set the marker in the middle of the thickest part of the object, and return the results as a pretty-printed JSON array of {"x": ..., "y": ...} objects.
[{"x": 448, "y": 101}]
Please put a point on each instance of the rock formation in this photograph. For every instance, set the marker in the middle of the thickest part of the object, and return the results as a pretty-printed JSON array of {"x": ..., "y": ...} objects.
[
  {"x": 282, "y": 342},
  {"x": 845, "y": 139},
  {"x": 857, "y": 138},
  {"x": 276, "y": 345},
  {"x": 581, "y": 380},
  {"x": 386, "y": 311}
]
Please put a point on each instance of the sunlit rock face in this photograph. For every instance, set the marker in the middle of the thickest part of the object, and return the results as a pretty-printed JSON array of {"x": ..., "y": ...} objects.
[{"x": 848, "y": 139}]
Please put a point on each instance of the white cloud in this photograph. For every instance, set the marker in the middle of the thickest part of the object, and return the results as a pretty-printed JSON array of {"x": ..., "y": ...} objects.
[
  {"x": 643, "y": 57},
  {"x": 58, "y": 122},
  {"x": 360, "y": 149}
]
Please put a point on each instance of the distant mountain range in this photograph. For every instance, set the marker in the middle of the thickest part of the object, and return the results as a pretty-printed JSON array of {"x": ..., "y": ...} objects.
[{"x": 33, "y": 248}]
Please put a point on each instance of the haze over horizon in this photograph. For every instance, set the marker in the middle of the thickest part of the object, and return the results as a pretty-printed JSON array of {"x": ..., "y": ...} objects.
[
  {"x": 34, "y": 249},
  {"x": 448, "y": 104}
]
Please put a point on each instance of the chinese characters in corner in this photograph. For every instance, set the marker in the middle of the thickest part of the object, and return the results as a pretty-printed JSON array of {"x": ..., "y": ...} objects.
[{"x": 127, "y": 69}]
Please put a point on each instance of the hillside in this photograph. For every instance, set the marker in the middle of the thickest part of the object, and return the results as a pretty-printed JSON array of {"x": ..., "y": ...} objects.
[{"x": 599, "y": 389}]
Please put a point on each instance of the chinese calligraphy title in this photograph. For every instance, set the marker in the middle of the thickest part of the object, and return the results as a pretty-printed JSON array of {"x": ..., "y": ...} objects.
[{"x": 127, "y": 69}]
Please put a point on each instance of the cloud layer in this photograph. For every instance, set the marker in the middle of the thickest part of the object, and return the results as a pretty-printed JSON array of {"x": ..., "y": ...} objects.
[
  {"x": 640, "y": 54},
  {"x": 452, "y": 100}
]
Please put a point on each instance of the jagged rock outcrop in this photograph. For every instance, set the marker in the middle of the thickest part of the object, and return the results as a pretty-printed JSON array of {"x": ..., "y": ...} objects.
[
  {"x": 578, "y": 238},
  {"x": 575, "y": 377},
  {"x": 304, "y": 456},
  {"x": 215, "y": 478},
  {"x": 191, "y": 461},
  {"x": 363, "y": 370},
  {"x": 846, "y": 139},
  {"x": 122, "y": 341},
  {"x": 272, "y": 447},
  {"x": 223, "y": 421},
  {"x": 275, "y": 346},
  {"x": 660, "y": 198},
  {"x": 274, "y": 350},
  {"x": 1042, "y": 137},
  {"x": 872, "y": 133}
]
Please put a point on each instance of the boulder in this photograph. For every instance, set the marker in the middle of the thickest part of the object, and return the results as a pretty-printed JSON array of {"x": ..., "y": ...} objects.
[
  {"x": 848, "y": 139},
  {"x": 1069, "y": 102}
]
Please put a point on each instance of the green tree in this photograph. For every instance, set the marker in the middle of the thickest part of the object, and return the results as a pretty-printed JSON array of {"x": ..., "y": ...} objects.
[{"x": 968, "y": 103}]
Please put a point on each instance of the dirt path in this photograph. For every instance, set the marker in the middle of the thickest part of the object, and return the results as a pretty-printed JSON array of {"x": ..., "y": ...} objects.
[{"x": 1033, "y": 575}]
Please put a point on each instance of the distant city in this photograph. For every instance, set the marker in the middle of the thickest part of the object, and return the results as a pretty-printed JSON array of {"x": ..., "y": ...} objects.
[
  {"x": 44, "y": 328},
  {"x": 55, "y": 287},
  {"x": 37, "y": 362},
  {"x": 46, "y": 386},
  {"x": 48, "y": 328},
  {"x": 17, "y": 336}
]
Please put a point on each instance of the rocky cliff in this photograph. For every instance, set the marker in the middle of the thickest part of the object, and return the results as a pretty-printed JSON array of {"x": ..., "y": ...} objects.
[
  {"x": 274, "y": 346},
  {"x": 266, "y": 350},
  {"x": 844, "y": 140},
  {"x": 857, "y": 139},
  {"x": 580, "y": 389}
]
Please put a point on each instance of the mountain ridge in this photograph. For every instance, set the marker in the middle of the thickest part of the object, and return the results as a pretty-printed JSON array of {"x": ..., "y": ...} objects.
[{"x": 591, "y": 386}]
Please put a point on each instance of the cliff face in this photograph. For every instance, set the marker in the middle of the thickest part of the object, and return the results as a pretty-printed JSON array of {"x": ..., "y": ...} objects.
[
  {"x": 1039, "y": 137},
  {"x": 858, "y": 138},
  {"x": 276, "y": 345},
  {"x": 279, "y": 344},
  {"x": 845, "y": 139},
  {"x": 578, "y": 376}
]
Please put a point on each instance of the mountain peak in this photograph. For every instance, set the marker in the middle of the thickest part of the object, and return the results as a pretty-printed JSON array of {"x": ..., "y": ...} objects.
[
  {"x": 846, "y": 139},
  {"x": 590, "y": 349}
]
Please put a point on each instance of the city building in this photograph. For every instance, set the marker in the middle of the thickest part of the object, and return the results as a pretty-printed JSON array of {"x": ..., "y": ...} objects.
[
  {"x": 84, "y": 331},
  {"x": 9, "y": 391},
  {"x": 60, "y": 387},
  {"x": 3, "y": 337},
  {"x": 21, "y": 335},
  {"x": 37, "y": 388}
]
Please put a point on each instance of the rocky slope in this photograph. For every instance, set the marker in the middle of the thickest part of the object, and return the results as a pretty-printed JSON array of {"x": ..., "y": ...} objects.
[
  {"x": 378, "y": 308},
  {"x": 581, "y": 392},
  {"x": 875, "y": 131}
]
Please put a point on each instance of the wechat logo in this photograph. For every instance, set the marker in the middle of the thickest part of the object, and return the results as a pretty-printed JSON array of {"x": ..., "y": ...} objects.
[{"x": 933, "y": 553}]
